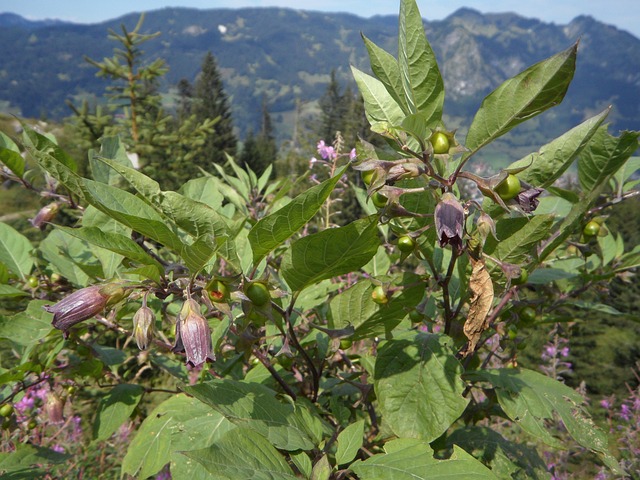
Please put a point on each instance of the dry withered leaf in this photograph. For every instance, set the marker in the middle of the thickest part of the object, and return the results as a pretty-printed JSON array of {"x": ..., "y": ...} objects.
[{"x": 479, "y": 305}]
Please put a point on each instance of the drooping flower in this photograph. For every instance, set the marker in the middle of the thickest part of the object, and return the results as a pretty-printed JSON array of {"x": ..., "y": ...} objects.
[
  {"x": 45, "y": 215},
  {"x": 449, "y": 220},
  {"x": 528, "y": 199},
  {"x": 143, "y": 321},
  {"x": 193, "y": 335},
  {"x": 53, "y": 408},
  {"x": 80, "y": 305}
]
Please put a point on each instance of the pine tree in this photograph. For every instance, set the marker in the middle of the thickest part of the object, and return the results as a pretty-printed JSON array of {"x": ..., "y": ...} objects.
[
  {"x": 260, "y": 151},
  {"x": 210, "y": 102},
  {"x": 332, "y": 107}
]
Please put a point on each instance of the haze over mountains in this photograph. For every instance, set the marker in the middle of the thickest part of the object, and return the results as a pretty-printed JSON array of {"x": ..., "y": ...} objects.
[{"x": 285, "y": 55}]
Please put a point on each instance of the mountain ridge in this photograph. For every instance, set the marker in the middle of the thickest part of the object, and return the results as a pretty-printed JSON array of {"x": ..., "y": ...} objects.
[{"x": 286, "y": 55}]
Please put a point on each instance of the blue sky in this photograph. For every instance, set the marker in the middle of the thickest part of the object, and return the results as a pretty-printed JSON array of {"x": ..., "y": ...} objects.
[{"x": 624, "y": 14}]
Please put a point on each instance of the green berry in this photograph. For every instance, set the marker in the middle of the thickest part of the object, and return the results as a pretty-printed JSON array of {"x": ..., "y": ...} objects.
[
  {"x": 591, "y": 229},
  {"x": 440, "y": 143},
  {"x": 258, "y": 293},
  {"x": 379, "y": 296},
  {"x": 367, "y": 176},
  {"x": 406, "y": 244},
  {"x": 522, "y": 278},
  {"x": 6, "y": 410},
  {"x": 509, "y": 188},
  {"x": 378, "y": 199},
  {"x": 218, "y": 291}
]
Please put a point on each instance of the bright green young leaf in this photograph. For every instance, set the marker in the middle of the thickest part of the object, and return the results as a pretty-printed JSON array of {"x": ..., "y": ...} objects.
[
  {"x": 526, "y": 95},
  {"x": 507, "y": 459},
  {"x": 419, "y": 72},
  {"x": 532, "y": 399},
  {"x": 379, "y": 105},
  {"x": 604, "y": 156},
  {"x": 15, "y": 251},
  {"x": 518, "y": 237},
  {"x": 330, "y": 253},
  {"x": 255, "y": 406},
  {"x": 243, "y": 453},
  {"x": 553, "y": 159},
  {"x": 416, "y": 462},
  {"x": 115, "y": 408},
  {"x": 10, "y": 155},
  {"x": 418, "y": 385},
  {"x": 275, "y": 228},
  {"x": 385, "y": 68},
  {"x": 321, "y": 469},
  {"x": 112, "y": 149},
  {"x": 29, "y": 326},
  {"x": 302, "y": 462},
  {"x": 349, "y": 442}
]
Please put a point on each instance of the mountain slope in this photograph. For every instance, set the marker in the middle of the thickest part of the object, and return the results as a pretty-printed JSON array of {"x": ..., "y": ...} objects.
[{"x": 286, "y": 54}]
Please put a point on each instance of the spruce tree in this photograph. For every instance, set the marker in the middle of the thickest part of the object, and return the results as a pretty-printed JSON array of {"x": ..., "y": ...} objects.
[
  {"x": 210, "y": 102},
  {"x": 332, "y": 107},
  {"x": 260, "y": 151}
]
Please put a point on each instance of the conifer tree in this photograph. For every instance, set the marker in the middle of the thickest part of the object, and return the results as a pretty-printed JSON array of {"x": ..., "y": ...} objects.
[
  {"x": 332, "y": 107},
  {"x": 260, "y": 151},
  {"x": 210, "y": 102}
]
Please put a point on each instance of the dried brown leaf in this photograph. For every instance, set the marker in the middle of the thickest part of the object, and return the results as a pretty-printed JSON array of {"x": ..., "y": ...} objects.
[{"x": 479, "y": 304}]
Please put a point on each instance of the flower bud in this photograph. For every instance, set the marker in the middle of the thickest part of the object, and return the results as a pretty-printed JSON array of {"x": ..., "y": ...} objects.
[
  {"x": 53, "y": 408},
  {"x": 449, "y": 220},
  {"x": 193, "y": 335},
  {"x": 45, "y": 215},
  {"x": 80, "y": 305},
  {"x": 143, "y": 321},
  {"x": 486, "y": 226}
]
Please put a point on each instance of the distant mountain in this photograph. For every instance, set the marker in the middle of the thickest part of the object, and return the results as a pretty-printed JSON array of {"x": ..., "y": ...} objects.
[{"x": 288, "y": 54}]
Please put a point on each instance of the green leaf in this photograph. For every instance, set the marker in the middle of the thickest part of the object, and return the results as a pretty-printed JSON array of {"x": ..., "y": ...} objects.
[
  {"x": 34, "y": 141},
  {"x": 322, "y": 469},
  {"x": 64, "y": 253},
  {"x": 8, "y": 291},
  {"x": 302, "y": 462},
  {"x": 604, "y": 156},
  {"x": 330, "y": 253},
  {"x": 15, "y": 251},
  {"x": 133, "y": 212},
  {"x": 387, "y": 317},
  {"x": 553, "y": 159},
  {"x": 507, "y": 459},
  {"x": 518, "y": 237},
  {"x": 113, "y": 242},
  {"x": 416, "y": 462},
  {"x": 419, "y": 72},
  {"x": 352, "y": 307},
  {"x": 349, "y": 442},
  {"x": 27, "y": 456},
  {"x": 385, "y": 68},
  {"x": 29, "y": 326},
  {"x": 255, "y": 406},
  {"x": 418, "y": 385},
  {"x": 526, "y": 95},
  {"x": 149, "y": 450},
  {"x": 275, "y": 228},
  {"x": 595, "y": 307},
  {"x": 243, "y": 453},
  {"x": 379, "y": 105},
  {"x": 10, "y": 155},
  {"x": 543, "y": 276},
  {"x": 115, "y": 408},
  {"x": 204, "y": 190},
  {"x": 110, "y": 148},
  {"x": 531, "y": 400},
  {"x": 145, "y": 186}
]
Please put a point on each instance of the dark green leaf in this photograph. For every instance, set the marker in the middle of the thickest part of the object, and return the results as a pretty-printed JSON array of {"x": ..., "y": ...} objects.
[
  {"x": 275, "y": 228},
  {"x": 385, "y": 68},
  {"x": 518, "y": 237},
  {"x": 532, "y": 399},
  {"x": 112, "y": 149},
  {"x": 330, "y": 253},
  {"x": 349, "y": 442},
  {"x": 548, "y": 164},
  {"x": 27, "y": 327},
  {"x": 526, "y": 95},
  {"x": 115, "y": 408},
  {"x": 604, "y": 156},
  {"x": 26, "y": 456},
  {"x": 38, "y": 142},
  {"x": 419, "y": 72},
  {"x": 418, "y": 385},
  {"x": 243, "y": 453},
  {"x": 10, "y": 156}
]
